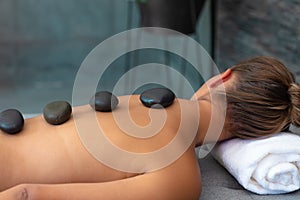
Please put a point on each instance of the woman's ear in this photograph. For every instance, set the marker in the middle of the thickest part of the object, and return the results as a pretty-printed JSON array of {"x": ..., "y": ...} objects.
[{"x": 221, "y": 78}]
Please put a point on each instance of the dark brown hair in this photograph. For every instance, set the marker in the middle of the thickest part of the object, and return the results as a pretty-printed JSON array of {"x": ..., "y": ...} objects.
[{"x": 264, "y": 98}]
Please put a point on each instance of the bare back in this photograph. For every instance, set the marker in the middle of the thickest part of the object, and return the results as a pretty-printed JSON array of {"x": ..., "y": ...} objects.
[{"x": 43, "y": 153}]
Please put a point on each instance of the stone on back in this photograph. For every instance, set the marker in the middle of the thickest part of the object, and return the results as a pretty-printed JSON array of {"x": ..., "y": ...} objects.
[
  {"x": 11, "y": 121},
  {"x": 57, "y": 112},
  {"x": 157, "y": 98}
]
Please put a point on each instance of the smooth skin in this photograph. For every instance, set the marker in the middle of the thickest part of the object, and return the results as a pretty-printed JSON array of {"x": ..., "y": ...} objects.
[{"x": 50, "y": 162}]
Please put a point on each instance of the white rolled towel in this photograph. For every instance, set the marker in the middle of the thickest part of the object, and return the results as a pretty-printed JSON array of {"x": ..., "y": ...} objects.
[{"x": 263, "y": 166}]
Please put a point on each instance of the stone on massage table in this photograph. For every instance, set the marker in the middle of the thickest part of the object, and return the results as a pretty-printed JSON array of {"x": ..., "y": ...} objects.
[
  {"x": 104, "y": 101},
  {"x": 57, "y": 112},
  {"x": 11, "y": 121},
  {"x": 157, "y": 97}
]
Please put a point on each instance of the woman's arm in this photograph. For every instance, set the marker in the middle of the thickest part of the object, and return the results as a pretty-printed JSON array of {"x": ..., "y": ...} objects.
[{"x": 181, "y": 180}]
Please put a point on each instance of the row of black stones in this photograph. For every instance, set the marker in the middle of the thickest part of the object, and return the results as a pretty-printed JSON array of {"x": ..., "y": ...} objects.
[
  {"x": 58, "y": 112},
  {"x": 105, "y": 101}
]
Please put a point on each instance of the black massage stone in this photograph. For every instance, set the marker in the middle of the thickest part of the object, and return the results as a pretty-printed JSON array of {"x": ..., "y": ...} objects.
[
  {"x": 11, "y": 121},
  {"x": 104, "y": 101},
  {"x": 157, "y": 97},
  {"x": 57, "y": 112}
]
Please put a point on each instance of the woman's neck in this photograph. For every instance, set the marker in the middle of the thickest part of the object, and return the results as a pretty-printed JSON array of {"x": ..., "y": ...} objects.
[{"x": 211, "y": 123}]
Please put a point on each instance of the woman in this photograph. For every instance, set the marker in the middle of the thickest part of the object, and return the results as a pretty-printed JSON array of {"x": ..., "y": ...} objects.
[{"x": 50, "y": 162}]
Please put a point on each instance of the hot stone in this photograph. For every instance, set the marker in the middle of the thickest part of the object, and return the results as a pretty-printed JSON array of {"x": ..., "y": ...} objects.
[
  {"x": 157, "y": 97},
  {"x": 104, "y": 101},
  {"x": 11, "y": 121},
  {"x": 57, "y": 112}
]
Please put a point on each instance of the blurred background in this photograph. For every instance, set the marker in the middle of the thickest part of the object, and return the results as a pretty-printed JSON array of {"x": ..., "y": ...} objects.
[{"x": 43, "y": 43}]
